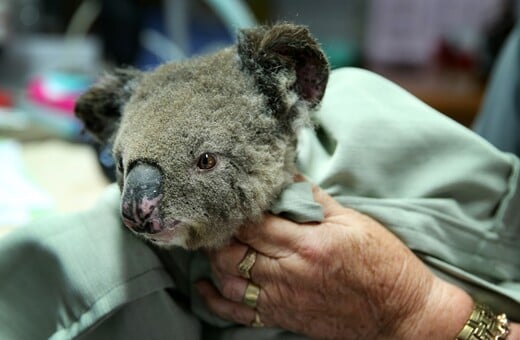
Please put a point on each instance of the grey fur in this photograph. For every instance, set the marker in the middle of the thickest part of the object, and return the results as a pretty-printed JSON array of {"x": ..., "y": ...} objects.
[{"x": 244, "y": 104}]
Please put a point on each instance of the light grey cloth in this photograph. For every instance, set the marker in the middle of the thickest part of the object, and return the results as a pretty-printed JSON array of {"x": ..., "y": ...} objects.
[{"x": 447, "y": 193}]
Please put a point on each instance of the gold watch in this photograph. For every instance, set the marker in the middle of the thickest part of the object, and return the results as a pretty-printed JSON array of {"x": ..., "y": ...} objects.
[{"x": 484, "y": 324}]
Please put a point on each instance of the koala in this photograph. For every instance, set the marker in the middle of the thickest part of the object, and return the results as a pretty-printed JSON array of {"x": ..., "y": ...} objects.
[{"x": 206, "y": 145}]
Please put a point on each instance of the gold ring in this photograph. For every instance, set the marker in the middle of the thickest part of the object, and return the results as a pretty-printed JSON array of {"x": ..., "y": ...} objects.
[
  {"x": 251, "y": 295},
  {"x": 257, "y": 323},
  {"x": 244, "y": 267}
]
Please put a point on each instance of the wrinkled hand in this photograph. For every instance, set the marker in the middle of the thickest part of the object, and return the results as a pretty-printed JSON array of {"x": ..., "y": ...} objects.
[{"x": 346, "y": 277}]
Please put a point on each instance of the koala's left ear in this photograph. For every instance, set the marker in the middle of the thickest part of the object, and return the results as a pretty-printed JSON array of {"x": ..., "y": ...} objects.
[
  {"x": 284, "y": 58},
  {"x": 101, "y": 106}
]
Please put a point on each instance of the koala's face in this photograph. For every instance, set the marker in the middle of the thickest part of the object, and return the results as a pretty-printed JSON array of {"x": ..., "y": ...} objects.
[
  {"x": 199, "y": 152},
  {"x": 206, "y": 145}
]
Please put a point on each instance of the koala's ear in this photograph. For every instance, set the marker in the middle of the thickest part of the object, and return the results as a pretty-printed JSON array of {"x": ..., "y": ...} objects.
[
  {"x": 284, "y": 58},
  {"x": 101, "y": 106}
]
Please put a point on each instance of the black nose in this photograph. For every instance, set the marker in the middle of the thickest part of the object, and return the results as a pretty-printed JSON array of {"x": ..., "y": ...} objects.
[{"x": 141, "y": 197}]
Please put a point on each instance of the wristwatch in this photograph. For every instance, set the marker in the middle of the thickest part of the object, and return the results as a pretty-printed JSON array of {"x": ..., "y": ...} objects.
[{"x": 484, "y": 324}]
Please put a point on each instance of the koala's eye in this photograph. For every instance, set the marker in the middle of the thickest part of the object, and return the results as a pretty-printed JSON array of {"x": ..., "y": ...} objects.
[{"x": 207, "y": 161}]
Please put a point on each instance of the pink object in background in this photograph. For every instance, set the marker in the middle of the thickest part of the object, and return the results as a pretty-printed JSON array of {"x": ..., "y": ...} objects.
[{"x": 57, "y": 91}]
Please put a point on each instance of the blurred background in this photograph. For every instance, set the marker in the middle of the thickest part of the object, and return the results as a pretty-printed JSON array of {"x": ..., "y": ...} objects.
[{"x": 442, "y": 51}]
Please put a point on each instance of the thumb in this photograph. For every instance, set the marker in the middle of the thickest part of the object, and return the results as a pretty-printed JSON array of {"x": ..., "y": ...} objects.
[
  {"x": 329, "y": 204},
  {"x": 273, "y": 237}
]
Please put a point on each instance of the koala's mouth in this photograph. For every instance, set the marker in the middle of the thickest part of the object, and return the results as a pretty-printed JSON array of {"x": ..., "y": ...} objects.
[
  {"x": 166, "y": 235},
  {"x": 145, "y": 220},
  {"x": 142, "y": 217},
  {"x": 154, "y": 229}
]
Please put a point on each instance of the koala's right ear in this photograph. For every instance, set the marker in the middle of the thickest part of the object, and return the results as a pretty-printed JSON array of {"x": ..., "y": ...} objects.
[
  {"x": 284, "y": 58},
  {"x": 101, "y": 106}
]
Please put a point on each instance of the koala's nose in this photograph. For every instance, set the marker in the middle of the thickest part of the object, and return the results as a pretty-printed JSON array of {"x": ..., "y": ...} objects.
[{"x": 141, "y": 197}]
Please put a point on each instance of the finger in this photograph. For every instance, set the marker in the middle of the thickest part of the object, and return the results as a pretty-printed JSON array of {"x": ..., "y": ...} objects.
[
  {"x": 236, "y": 289},
  {"x": 224, "y": 262},
  {"x": 329, "y": 204},
  {"x": 226, "y": 259},
  {"x": 231, "y": 287},
  {"x": 333, "y": 210},
  {"x": 274, "y": 236},
  {"x": 226, "y": 309}
]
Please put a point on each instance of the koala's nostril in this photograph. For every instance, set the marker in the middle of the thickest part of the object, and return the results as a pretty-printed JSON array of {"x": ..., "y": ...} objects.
[{"x": 141, "y": 198}]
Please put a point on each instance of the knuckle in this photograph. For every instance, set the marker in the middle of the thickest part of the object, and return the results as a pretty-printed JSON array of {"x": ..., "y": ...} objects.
[
  {"x": 309, "y": 250},
  {"x": 316, "y": 250},
  {"x": 246, "y": 233},
  {"x": 226, "y": 289},
  {"x": 230, "y": 289}
]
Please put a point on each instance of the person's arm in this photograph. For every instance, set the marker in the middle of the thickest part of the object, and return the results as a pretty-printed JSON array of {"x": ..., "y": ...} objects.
[
  {"x": 446, "y": 312},
  {"x": 514, "y": 331},
  {"x": 346, "y": 277}
]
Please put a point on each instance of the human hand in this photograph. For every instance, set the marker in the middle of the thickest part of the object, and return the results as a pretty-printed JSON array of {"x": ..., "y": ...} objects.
[{"x": 345, "y": 277}]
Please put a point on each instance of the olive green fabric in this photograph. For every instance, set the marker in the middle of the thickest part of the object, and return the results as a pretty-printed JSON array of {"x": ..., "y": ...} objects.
[{"x": 447, "y": 193}]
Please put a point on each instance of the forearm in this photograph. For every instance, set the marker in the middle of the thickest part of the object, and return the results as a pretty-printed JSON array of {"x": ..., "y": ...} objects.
[
  {"x": 515, "y": 331},
  {"x": 445, "y": 313}
]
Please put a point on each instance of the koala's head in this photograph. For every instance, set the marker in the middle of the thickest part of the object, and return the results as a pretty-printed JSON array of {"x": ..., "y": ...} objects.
[{"x": 206, "y": 145}]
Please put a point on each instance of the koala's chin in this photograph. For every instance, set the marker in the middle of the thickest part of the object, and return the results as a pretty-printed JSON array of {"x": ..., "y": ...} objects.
[{"x": 177, "y": 236}]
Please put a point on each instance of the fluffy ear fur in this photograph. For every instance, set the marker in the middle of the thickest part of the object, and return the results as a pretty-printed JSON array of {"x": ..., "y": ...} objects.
[
  {"x": 100, "y": 107},
  {"x": 284, "y": 58}
]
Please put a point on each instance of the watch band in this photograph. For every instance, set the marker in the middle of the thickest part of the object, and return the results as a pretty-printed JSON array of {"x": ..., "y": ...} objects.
[{"x": 484, "y": 324}]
